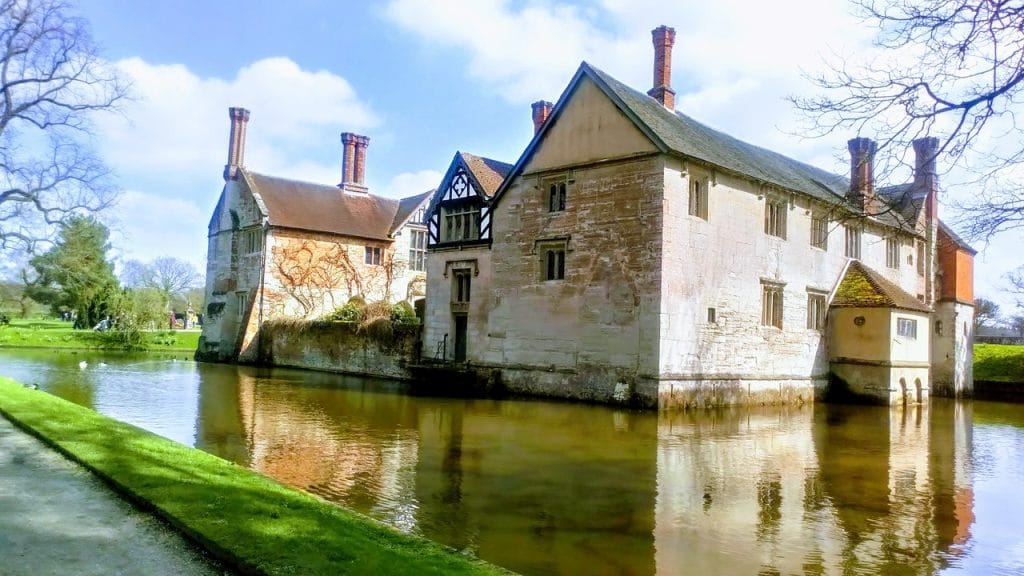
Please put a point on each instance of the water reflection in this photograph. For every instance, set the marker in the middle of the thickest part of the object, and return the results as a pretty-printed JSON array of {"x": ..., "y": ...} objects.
[{"x": 553, "y": 488}]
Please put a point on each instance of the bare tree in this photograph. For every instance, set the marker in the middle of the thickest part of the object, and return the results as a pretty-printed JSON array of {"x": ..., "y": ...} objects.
[
  {"x": 949, "y": 68},
  {"x": 986, "y": 313},
  {"x": 51, "y": 82},
  {"x": 167, "y": 275}
]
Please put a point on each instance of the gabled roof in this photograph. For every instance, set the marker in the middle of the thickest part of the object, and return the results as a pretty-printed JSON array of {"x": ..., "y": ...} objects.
[
  {"x": 327, "y": 209},
  {"x": 953, "y": 237},
  {"x": 862, "y": 287},
  {"x": 676, "y": 133},
  {"x": 406, "y": 208},
  {"x": 489, "y": 173}
]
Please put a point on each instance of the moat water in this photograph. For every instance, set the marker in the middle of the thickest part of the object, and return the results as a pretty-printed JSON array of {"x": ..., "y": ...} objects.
[{"x": 558, "y": 488}]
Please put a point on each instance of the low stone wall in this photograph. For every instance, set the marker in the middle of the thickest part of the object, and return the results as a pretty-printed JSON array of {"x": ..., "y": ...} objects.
[
  {"x": 739, "y": 391},
  {"x": 383, "y": 352}
]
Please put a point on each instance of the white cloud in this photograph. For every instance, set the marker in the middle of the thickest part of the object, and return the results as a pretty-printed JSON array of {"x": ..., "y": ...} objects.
[
  {"x": 146, "y": 226},
  {"x": 179, "y": 123},
  {"x": 411, "y": 183},
  {"x": 170, "y": 143}
]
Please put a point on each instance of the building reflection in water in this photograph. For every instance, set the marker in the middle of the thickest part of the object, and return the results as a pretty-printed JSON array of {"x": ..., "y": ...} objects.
[{"x": 547, "y": 488}]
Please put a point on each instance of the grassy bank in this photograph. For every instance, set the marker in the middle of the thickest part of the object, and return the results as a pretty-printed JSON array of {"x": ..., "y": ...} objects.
[
  {"x": 243, "y": 518},
  {"x": 999, "y": 363},
  {"x": 57, "y": 334}
]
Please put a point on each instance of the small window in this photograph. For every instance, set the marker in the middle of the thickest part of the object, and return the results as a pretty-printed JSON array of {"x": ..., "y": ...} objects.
[
  {"x": 819, "y": 231},
  {"x": 771, "y": 304},
  {"x": 853, "y": 242},
  {"x": 418, "y": 250},
  {"x": 241, "y": 302},
  {"x": 817, "y": 310},
  {"x": 775, "y": 217},
  {"x": 906, "y": 327},
  {"x": 938, "y": 327},
  {"x": 556, "y": 196},
  {"x": 252, "y": 240},
  {"x": 554, "y": 264},
  {"x": 460, "y": 286},
  {"x": 920, "y": 258},
  {"x": 373, "y": 255},
  {"x": 712, "y": 316},
  {"x": 698, "y": 198},
  {"x": 892, "y": 252}
]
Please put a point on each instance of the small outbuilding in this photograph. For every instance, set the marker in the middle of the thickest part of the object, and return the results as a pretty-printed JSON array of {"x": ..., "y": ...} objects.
[{"x": 879, "y": 349}]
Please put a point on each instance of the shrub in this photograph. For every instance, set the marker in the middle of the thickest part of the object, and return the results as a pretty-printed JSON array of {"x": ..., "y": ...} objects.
[
  {"x": 403, "y": 314},
  {"x": 350, "y": 312}
]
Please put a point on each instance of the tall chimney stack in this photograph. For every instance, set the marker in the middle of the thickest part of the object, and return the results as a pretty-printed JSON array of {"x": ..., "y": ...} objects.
[
  {"x": 664, "y": 38},
  {"x": 353, "y": 162},
  {"x": 926, "y": 180},
  {"x": 925, "y": 174},
  {"x": 348, "y": 157},
  {"x": 862, "y": 175},
  {"x": 236, "y": 142},
  {"x": 541, "y": 111},
  {"x": 360, "y": 168}
]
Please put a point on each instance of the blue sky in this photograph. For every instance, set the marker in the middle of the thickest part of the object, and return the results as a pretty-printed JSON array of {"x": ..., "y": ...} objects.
[{"x": 422, "y": 79}]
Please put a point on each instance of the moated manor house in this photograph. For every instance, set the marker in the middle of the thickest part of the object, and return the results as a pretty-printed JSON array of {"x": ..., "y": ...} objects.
[{"x": 631, "y": 254}]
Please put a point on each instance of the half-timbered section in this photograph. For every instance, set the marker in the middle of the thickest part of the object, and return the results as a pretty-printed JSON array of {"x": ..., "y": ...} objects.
[{"x": 458, "y": 258}]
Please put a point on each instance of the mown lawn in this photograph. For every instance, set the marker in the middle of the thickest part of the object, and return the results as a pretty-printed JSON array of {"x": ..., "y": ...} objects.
[
  {"x": 58, "y": 334},
  {"x": 999, "y": 362},
  {"x": 244, "y": 519}
]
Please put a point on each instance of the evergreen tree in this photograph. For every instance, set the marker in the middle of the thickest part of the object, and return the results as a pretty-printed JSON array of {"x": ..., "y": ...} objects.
[{"x": 75, "y": 275}]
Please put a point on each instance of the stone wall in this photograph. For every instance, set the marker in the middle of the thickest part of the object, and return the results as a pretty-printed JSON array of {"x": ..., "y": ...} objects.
[
  {"x": 338, "y": 347},
  {"x": 953, "y": 350}
]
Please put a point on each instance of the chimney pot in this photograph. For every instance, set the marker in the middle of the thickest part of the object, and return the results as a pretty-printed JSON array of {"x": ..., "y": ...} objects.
[
  {"x": 862, "y": 175},
  {"x": 541, "y": 111},
  {"x": 663, "y": 38},
  {"x": 236, "y": 142},
  {"x": 348, "y": 157}
]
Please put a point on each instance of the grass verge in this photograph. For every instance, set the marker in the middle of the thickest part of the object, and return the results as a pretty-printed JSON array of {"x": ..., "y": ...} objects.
[
  {"x": 999, "y": 363},
  {"x": 244, "y": 519},
  {"x": 57, "y": 334}
]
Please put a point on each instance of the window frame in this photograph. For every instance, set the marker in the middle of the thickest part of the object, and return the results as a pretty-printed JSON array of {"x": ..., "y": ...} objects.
[
  {"x": 460, "y": 222},
  {"x": 852, "y": 248},
  {"x": 892, "y": 252},
  {"x": 819, "y": 231},
  {"x": 462, "y": 286},
  {"x": 418, "y": 250},
  {"x": 906, "y": 327},
  {"x": 698, "y": 198},
  {"x": 817, "y": 310},
  {"x": 373, "y": 255},
  {"x": 241, "y": 301},
  {"x": 772, "y": 304},
  {"x": 920, "y": 258},
  {"x": 775, "y": 216}
]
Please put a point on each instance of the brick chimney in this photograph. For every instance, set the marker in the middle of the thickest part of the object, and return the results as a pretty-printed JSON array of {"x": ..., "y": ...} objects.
[
  {"x": 664, "y": 38},
  {"x": 926, "y": 180},
  {"x": 353, "y": 162},
  {"x": 541, "y": 111},
  {"x": 862, "y": 175},
  {"x": 236, "y": 142}
]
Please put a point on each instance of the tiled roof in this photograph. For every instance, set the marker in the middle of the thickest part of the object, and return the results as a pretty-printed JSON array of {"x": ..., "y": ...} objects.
[
  {"x": 681, "y": 134},
  {"x": 406, "y": 206},
  {"x": 862, "y": 287},
  {"x": 323, "y": 208},
  {"x": 489, "y": 173}
]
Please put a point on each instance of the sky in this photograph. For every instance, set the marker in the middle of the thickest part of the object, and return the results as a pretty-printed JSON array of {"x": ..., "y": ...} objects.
[{"x": 426, "y": 78}]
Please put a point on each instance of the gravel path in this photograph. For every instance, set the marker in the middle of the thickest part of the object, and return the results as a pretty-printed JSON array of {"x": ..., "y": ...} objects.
[{"x": 57, "y": 518}]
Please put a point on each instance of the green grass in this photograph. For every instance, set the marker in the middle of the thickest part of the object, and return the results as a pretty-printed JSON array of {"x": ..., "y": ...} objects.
[
  {"x": 57, "y": 334},
  {"x": 241, "y": 517},
  {"x": 999, "y": 362}
]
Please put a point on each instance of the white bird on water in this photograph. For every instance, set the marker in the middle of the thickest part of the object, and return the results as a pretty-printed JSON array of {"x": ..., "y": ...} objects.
[{"x": 82, "y": 365}]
